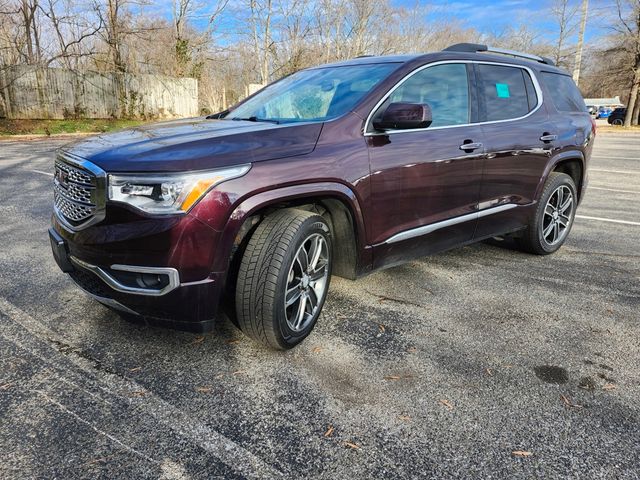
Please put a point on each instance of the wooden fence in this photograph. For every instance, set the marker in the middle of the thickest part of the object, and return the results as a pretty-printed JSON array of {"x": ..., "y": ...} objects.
[{"x": 28, "y": 92}]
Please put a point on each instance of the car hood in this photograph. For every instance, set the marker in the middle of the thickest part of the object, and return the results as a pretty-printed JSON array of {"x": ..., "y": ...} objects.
[{"x": 195, "y": 144}]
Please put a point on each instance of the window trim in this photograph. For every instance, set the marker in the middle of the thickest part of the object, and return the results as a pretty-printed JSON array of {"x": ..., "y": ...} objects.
[
  {"x": 534, "y": 79},
  {"x": 483, "y": 100}
]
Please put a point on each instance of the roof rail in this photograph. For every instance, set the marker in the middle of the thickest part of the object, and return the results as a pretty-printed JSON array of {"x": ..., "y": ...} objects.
[{"x": 477, "y": 47}]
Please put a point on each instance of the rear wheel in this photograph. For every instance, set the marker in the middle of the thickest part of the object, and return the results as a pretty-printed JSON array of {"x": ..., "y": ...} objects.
[
  {"x": 618, "y": 122},
  {"x": 284, "y": 278},
  {"x": 549, "y": 227}
]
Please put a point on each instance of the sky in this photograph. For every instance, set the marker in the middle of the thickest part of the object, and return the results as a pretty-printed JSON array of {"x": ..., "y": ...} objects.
[
  {"x": 496, "y": 15},
  {"x": 486, "y": 16}
]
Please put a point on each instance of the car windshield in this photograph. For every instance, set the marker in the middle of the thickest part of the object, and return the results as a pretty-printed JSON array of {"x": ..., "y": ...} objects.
[{"x": 313, "y": 95}]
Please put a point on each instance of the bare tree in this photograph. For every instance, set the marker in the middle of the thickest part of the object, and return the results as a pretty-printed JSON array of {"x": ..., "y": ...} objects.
[
  {"x": 629, "y": 30},
  {"x": 28, "y": 10},
  {"x": 73, "y": 32},
  {"x": 564, "y": 15}
]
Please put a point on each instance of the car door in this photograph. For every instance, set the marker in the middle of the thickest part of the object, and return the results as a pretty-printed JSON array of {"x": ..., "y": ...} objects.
[
  {"x": 425, "y": 182},
  {"x": 519, "y": 139}
]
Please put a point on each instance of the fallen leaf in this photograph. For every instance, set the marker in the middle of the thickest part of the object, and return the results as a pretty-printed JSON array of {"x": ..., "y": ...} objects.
[
  {"x": 404, "y": 418},
  {"x": 238, "y": 372},
  {"x": 329, "y": 431},
  {"x": 392, "y": 377},
  {"x": 384, "y": 298},
  {"x": 568, "y": 402},
  {"x": 447, "y": 404},
  {"x": 136, "y": 369},
  {"x": 220, "y": 375},
  {"x": 381, "y": 328},
  {"x": 352, "y": 445},
  {"x": 197, "y": 340},
  {"x": 609, "y": 386},
  {"x": 5, "y": 386},
  {"x": 489, "y": 372},
  {"x": 316, "y": 349},
  {"x": 203, "y": 389},
  {"x": 138, "y": 393},
  {"x": 233, "y": 341},
  {"x": 521, "y": 453}
]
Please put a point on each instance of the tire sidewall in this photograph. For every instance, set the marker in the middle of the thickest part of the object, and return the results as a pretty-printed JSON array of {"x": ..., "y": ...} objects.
[
  {"x": 287, "y": 337},
  {"x": 548, "y": 192}
]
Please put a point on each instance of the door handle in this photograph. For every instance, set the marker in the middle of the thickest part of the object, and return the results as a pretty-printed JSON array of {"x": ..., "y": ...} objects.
[
  {"x": 548, "y": 137},
  {"x": 470, "y": 146}
]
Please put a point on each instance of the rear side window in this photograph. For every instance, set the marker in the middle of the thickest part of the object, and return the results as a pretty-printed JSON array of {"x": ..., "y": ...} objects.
[
  {"x": 564, "y": 93},
  {"x": 505, "y": 92},
  {"x": 445, "y": 88}
]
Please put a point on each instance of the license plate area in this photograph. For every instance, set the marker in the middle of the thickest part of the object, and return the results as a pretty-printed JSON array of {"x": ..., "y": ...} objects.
[{"x": 59, "y": 250}]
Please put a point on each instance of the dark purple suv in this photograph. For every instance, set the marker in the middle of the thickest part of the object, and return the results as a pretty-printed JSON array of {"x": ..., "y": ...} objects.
[{"x": 339, "y": 169}]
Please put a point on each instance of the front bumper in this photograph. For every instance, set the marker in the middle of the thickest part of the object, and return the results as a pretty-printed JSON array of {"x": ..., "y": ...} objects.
[{"x": 190, "y": 306}]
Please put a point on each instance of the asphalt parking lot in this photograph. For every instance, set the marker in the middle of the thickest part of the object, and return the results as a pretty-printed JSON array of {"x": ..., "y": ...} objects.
[{"x": 482, "y": 362}]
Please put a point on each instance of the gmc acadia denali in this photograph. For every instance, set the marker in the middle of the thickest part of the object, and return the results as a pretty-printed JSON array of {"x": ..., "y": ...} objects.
[{"x": 339, "y": 169}]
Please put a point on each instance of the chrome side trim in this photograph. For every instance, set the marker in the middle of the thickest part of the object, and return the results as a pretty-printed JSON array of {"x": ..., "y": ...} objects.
[
  {"x": 172, "y": 273},
  {"x": 534, "y": 79},
  {"x": 419, "y": 231}
]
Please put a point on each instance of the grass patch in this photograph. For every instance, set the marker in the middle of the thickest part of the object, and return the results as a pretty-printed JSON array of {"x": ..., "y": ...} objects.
[
  {"x": 617, "y": 129},
  {"x": 57, "y": 127}
]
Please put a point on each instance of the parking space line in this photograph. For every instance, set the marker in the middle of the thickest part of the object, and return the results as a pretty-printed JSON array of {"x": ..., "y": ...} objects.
[
  {"x": 43, "y": 173},
  {"x": 624, "y": 172},
  {"x": 35, "y": 337},
  {"x": 608, "y": 157},
  {"x": 590, "y": 187},
  {"x": 610, "y": 220},
  {"x": 94, "y": 428}
]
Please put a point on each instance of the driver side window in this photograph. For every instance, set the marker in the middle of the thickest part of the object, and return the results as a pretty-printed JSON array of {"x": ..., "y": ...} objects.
[{"x": 445, "y": 88}]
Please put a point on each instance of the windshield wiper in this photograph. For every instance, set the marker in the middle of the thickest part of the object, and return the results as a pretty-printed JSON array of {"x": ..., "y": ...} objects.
[{"x": 256, "y": 119}]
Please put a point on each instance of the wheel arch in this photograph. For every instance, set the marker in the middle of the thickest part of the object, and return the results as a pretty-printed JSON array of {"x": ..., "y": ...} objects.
[
  {"x": 335, "y": 201},
  {"x": 570, "y": 162}
]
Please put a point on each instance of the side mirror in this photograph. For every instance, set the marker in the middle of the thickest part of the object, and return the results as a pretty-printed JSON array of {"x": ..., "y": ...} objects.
[{"x": 402, "y": 116}]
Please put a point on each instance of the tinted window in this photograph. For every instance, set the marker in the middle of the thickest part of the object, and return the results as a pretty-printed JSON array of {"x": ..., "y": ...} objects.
[
  {"x": 564, "y": 93},
  {"x": 315, "y": 94},
  {"x": 445, "y": 88},
  {"x": 505, "y": 92}
]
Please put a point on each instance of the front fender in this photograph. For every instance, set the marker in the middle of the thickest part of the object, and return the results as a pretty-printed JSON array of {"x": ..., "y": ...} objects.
[{"x": 321, "y": 190}]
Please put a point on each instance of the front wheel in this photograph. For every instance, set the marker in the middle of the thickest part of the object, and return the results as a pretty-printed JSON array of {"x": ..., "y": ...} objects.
[
  {"x": 618, "y": 122},
  {"x": 550, "y": 225},
  {"x": 284, "y": 278}
]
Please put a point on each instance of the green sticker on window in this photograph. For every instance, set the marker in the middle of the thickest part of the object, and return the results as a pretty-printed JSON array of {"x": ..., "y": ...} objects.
[{"x": 503, "y": 90}]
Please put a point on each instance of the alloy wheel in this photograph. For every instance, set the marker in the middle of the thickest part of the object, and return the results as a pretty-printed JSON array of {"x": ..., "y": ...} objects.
[
  {"x": 306, "y": 282},
  {"x": 558, "y": 215}
]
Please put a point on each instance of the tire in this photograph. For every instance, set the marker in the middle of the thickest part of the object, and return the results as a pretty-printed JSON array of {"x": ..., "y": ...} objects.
[
  {"x": 549, "y": 227},
  {"x": 617, "y": 122},
  {"x": 272, "y": 270}
]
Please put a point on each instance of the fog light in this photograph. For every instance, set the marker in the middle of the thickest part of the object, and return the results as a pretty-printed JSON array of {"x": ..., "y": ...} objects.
[{"x": 151, "y": 280}]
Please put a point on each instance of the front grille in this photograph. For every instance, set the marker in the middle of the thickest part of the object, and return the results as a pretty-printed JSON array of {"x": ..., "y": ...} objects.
[{"x": 78, "y": 192}]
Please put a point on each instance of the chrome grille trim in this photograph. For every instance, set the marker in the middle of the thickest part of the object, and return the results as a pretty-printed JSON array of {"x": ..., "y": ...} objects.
[{"x": 79, "y": 191}]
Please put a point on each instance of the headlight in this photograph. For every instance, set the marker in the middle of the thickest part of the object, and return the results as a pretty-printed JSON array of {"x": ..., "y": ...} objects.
[{"x": 168, "y": 193}]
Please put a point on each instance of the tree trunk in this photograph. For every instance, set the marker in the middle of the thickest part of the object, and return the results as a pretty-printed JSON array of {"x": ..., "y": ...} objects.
[{"x": 633, "y": 97}]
